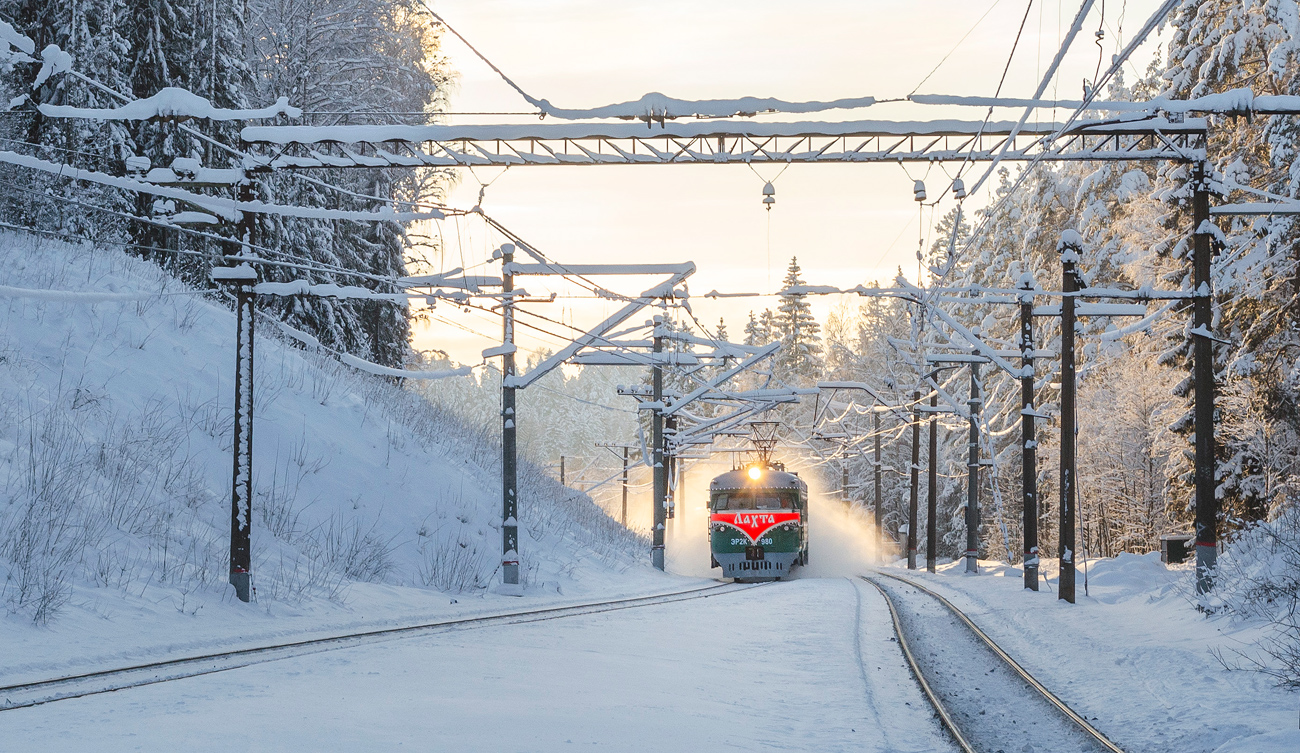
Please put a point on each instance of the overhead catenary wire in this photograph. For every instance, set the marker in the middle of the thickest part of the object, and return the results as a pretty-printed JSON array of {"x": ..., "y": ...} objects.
[
  {"x": 990, "y": 213},
  {"x": 944, "y": 59},
  {"x": 424, "y": 4},
  {"x": 954, "y": 182},
  {"x": 320, "y": 267}
]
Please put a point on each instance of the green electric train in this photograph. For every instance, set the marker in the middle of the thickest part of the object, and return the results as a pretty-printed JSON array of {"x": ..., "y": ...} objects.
[{"x": 758, "y": 522}]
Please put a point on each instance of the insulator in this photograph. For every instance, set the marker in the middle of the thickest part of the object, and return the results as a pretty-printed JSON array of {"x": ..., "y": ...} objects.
[
  {"x": 918, "y": 190},
  {"x": 959, "y": 188}
]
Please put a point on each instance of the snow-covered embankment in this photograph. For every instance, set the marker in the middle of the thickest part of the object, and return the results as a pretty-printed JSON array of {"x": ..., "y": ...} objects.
[{"x": 115, "y": 432}]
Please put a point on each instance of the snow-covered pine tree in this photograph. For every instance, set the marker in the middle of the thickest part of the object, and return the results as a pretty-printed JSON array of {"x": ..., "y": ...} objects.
[
  {"x": 1216, "y": 46},
  {"x": 767, "y": 326},
  {"x": 163, "y": 39},
  {"x": 758, "y": 331},
  {"x": 800, "y": 358},
  {"x": 860, "y": 347},
  {"x": 91, "y": 32},
  {"x": 372, "y": 58}
]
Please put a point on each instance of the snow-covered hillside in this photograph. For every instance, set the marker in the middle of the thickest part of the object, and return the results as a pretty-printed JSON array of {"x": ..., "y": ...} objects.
[{"x": 115, "y": 432}]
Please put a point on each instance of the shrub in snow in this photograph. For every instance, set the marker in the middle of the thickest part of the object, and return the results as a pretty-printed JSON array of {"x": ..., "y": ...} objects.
[{"x": 1259, "y": 577}]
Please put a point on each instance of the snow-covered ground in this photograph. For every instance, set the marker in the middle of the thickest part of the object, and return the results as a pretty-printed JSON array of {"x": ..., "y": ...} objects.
[
  {"x": 371, "y": 506},
  {"x": 804, "y": 665},
  {"x": 1133, "y": 655},
  {"x": 375, "y": 509}
]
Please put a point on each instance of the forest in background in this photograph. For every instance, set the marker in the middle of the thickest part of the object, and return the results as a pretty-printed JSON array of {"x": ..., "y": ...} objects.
[{"x": 340, "y": 61}]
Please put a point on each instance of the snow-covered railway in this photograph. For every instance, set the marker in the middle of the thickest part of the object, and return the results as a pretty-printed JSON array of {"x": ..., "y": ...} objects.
[
  {"x": 986, "y": 700},
  {"x": 28, "y": 694}
]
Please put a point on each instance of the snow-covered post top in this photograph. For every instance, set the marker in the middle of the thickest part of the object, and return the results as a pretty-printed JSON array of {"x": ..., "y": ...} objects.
[
  {"x": 1070, "y": 245},
  {"x": 1027, "y": 282},
  {"x": 243, "y": 274}
]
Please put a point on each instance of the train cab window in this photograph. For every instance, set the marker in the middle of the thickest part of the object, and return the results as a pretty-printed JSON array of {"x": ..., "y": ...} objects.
[{"x": 748, "y": 500}]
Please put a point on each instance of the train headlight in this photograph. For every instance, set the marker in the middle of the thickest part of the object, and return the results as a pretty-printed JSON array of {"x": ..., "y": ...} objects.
[{"x": 755, "y": 473}]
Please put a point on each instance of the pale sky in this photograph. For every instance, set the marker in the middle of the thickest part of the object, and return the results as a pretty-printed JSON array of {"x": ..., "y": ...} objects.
[{"x": 848, "y": 224}]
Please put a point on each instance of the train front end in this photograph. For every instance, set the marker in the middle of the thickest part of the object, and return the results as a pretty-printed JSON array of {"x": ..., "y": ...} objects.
[{"x": 758, "y": 523}]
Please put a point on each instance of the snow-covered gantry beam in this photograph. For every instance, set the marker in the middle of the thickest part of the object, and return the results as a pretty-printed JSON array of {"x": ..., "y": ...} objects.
[
  {"x": 1239, "y": 101},
  {"x": 599, "y": 334},
  {"x": 1257, "y": 209},
  {"x": 1126, "y": 137},
  {"x": 516, "y": 268}
]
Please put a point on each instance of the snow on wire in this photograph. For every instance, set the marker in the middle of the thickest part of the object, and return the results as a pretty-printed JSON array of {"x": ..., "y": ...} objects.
[
  {"x": 227, "y": 209},
  {"x": 170, "y": 102}
]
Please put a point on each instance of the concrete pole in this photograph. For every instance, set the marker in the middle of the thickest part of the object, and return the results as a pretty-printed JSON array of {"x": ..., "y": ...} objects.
[
  {"x": 916, "y": 481},
  {"x": 241, "y": 280},
  {"x": 1029, "y": 446},
  {"x": 509, "y": 457},
  {"x": 660, "y": 499},
  {"x": 973, "y": 473},
  {"x": 880, "y": 512},
  {"x": 1207, "y": 505},
  {"x": 625, "y": 457},
  {"x": 1069, "y": 284},
  {"x": 932, "y": 488}
]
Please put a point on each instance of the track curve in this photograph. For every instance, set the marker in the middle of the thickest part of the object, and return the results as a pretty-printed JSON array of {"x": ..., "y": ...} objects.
[
  {"x": 983, "y": 697},
  {"x": 26, "y": 695}
]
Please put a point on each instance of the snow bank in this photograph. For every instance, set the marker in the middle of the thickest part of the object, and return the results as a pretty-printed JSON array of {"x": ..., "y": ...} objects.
[{"x": 1271, "y": 742}]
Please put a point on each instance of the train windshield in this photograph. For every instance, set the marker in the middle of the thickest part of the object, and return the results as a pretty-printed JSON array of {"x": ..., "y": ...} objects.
[{"x": 754, "y": 499}]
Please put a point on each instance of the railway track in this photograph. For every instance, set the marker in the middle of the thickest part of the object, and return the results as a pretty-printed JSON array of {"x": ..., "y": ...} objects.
[
  {"x": 983, "y": 697},
  {"x": 26, "y": 695}
]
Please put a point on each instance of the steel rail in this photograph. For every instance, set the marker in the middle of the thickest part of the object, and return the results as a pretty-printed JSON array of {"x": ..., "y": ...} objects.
[
  {"x": 939, "y": 708},
  {"x": 234, "y": 659},
  {"x": 1051, "y": 697}
]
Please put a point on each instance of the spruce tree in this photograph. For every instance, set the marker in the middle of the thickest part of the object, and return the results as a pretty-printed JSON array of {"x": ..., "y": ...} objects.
[
  {"x": 91, "y": 31},
  {"x": 1216, "y": 46},
  {"x": 794, "y": 325}
]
